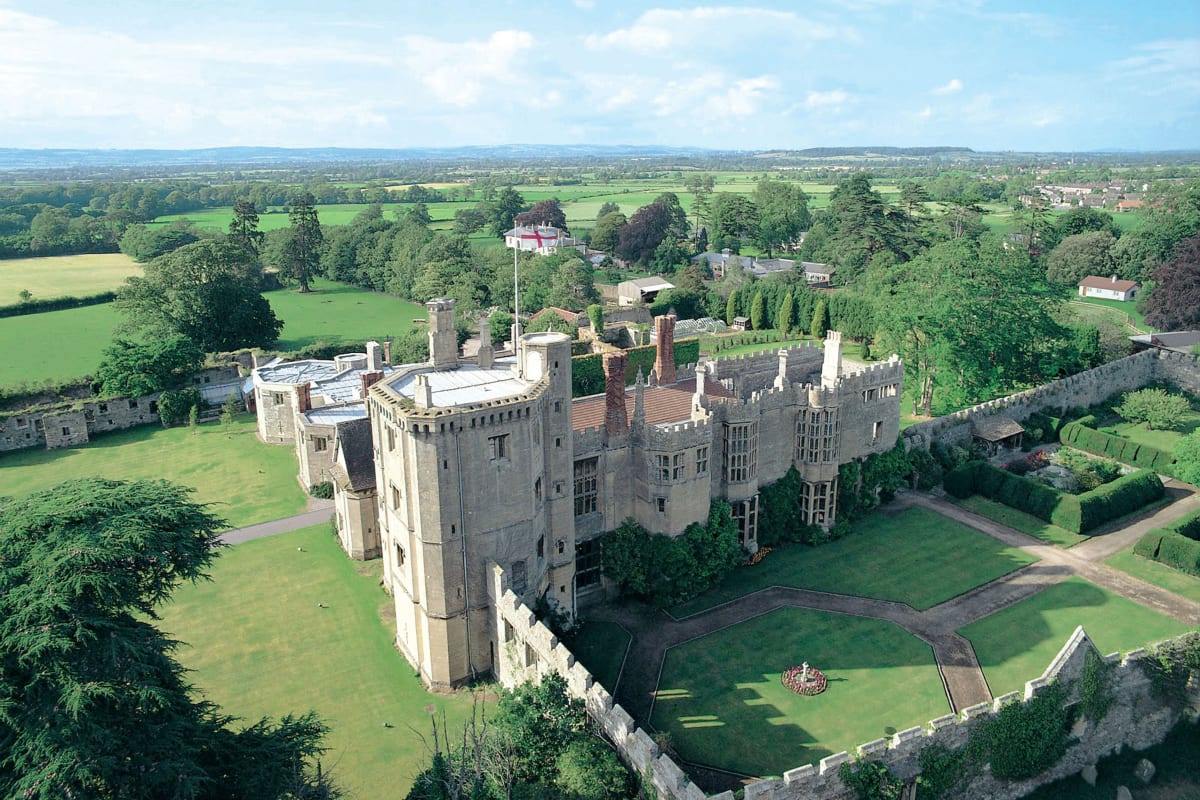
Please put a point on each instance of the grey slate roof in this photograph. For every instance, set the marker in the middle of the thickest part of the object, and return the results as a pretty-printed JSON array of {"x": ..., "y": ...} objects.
[
  {"x": 354, "y": 440},
  {"x": 995, "y": 428}
]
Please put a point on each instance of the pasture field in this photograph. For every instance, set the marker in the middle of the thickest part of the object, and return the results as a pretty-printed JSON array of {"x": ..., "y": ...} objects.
[
  {"x": 337, "y": 312},
  {"x": 276, "y": 218},
  {"x": 60, "y": 276},
  {"x": 1018, "y": 642},
  {"x": 722, "y": 699},
  {"x": 1125, "y": 312},
  {"x": 246, "y": 481},
  {"x": 260, "y": 645},
  {"x": 55, "y": 345}
]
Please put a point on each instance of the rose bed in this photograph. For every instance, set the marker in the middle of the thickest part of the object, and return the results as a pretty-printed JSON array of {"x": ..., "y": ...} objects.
[{"x": 812, "y": 684}]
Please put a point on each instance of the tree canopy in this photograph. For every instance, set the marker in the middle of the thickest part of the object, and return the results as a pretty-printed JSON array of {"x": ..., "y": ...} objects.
[
  {"x": 1174, "y": 304},
  {"x": 207, "y": 291},
  {"x": 302, "y": 250},
  {"x": 92, "y": 702},
  {"x": 133, "y": 369}
]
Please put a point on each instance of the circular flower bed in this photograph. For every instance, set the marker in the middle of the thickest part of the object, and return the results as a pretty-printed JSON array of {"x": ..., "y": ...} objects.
[{"x": 809, "y": 684}]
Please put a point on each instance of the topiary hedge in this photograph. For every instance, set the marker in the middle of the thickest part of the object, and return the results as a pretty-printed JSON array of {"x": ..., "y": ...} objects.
[
  {"x": 1177, "y": 545},
  {"x": 1080, "y": 435},
  {"x": 1078, "y": 513}
]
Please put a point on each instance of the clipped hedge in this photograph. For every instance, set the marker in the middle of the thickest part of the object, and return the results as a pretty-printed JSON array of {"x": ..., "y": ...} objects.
[
  {"x": 1081, "y": 436},
  {"x": 56, "y": 304},
  {"x": 587, "y": 372},
  {"x": 1177, "y": 544},
  {"x": 1078, "y": 513}
]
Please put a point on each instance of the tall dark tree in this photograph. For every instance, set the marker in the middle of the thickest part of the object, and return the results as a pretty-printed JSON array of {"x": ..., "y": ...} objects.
[
  {"x": 544, "y": 212},
  {"x": 700, "y": 187},
  {"x": 302, "y": 252},
  {"x": 503, "y": 209},
  {"x": 132, "y": 369},
  {"x": 208, "y": 291},
  {"x": 606, "y": 236},
  {"x": 646, "y": 229},
  {"x": 244, "y": 228},
  {"x": 782, "y": 214},
  {"x": 1174, "y": 304},
  {"x": 733, "y": 220},
  {"x": 92, "y": 701}
]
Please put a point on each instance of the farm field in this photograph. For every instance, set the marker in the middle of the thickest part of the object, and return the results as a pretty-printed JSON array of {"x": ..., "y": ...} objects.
[
  {"x": 260, "y": 645},
  {"x": 1127, "y": 308},
  {"x": 723, "y": 702},
  {"x": 914, "y": 556},
  {"x": 60, "y": 276},
  {"x": 1016, "y": 644},
  {"x": 246, "y": 481},
  {"x": 55, "y": 345}
]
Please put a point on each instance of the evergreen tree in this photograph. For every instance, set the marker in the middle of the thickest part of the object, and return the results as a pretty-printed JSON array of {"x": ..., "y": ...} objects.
[
  {"x": 731, "y": 307},
  {"x": 787, "y": 312},
  {"x": 302, "y": 252},
  {"x": 820, "y": 320},
  {"x": 244, "y": 228},
  {"x": 758, "y": 312}
]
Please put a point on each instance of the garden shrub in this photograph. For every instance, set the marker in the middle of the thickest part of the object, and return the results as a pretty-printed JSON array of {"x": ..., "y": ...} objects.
[
  {"x": 1123, "y": 496},
  {"x": 1147, "y": 546},
  {"x": 55, "y": 304},
  {"x": 941, "y": 771},
  {"x": 929, "y": 471},
  {"x": 871, "y": 780},
  {"x": 1170, "y": 666},
  {"x": 1177, "y": 551},
  {"x": 323, "y": 490},
  {"x": 960, "y": 481},
  {"x": 175, "y": 405},
  {"x": 1081, "y": 436}
]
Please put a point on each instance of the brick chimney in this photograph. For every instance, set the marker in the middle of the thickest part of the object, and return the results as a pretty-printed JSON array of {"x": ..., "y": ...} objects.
[
  {"x": 615, "y": 419},
  {"x": 387, "y": 351},
  {"x": 369, "y": 379},
  {"x": 664, "y": 359},
  {"x": 303, "y": 398}
]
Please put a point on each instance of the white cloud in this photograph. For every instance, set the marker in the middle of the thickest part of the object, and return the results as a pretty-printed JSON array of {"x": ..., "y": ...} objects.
[
  {"x": 460, "y": 73},
  {"x": 586, "y": 5},
  {"x": 826, "y": 100},
  {"x": 925, "y": 113},
  {"x": 1172, "y": 63},
  {"x": 667, "y": 32},
  {"x": 952, "y": 87}
]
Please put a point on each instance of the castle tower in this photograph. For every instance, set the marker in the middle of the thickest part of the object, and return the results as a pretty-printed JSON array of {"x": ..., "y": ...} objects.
[{"x": 443, "y": 339}]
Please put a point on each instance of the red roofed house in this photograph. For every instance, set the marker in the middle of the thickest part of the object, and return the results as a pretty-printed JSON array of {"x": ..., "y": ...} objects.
[{"x": 1107, "y": 288}]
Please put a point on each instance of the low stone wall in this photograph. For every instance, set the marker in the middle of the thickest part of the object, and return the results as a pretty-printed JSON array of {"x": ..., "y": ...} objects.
[{"x": 73, "y": 424}]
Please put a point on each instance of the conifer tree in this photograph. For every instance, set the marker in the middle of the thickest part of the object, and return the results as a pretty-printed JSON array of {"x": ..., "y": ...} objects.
[
  {"x": 731, "y": 307},
  {"x": 820, "y": 320},
  {"x": 302, "y": 253},
  {"x": 758, "y": 312},
  {"x": 787, "y": 313}
]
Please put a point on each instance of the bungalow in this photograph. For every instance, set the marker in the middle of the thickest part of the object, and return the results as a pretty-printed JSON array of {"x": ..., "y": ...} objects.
[
  {"x": 816, "y": 273},
  {"x": 1107, "y": 288},
  {"x": 541, "y": 239},
  {"x": 640, "y": 290}
]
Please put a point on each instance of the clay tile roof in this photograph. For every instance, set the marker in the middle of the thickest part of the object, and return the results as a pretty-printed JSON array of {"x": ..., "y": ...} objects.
[
  {"x": 995, "y": 428},
  {"x": 567, "y": 316},
  {"x": 354, "y": 440},
  {"x": 1097, "y": 282},
  {"x": 661, "y": 404}
]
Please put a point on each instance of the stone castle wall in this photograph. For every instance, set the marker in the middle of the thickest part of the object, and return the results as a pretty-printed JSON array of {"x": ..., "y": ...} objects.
[{"x": 72, "y": 425}]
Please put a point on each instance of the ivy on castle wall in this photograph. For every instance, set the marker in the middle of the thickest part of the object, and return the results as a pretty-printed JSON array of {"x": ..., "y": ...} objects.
[{"x": 587, "y": 372}]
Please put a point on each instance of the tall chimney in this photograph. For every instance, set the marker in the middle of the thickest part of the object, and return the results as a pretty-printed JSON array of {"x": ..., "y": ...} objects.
[
  {"x": 443, "y": 339},
  {"x": 664, "y": 359},
  {"x": 831, "y": 369},
  {"x": 639, "y": 400},
  {"x": 615, "y": 419},
  {"x": 374, "y": 356},
  {"x": 303, "y": 398},
  {"x": 485, "y": 354},
  {"x": 387, "y": 350},
  {"x": 423, "y": 392}
]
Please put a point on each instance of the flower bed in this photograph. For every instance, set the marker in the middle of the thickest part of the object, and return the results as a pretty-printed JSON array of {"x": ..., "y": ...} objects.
[
  {"x": 812, "y": 684},
  {"x": 759, "y": 556}
]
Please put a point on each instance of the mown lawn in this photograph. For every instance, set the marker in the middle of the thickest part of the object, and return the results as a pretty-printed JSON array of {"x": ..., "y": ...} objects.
[
  {"x": 55, "y": 345},
  {"x": 59, "y": 276},
  {"x": 1162, "y": 439},
  {"x": 721, "y": 698},
  {"x": 261, "y": 645},
  {"x": 915, "y": 556},
  {"x": 1018, "y": 643},
  {"x": 245, "y": 480},
  {"x": 601, "y": 646},
  {"x": 338, "y": 312},
  {"x": 1158, "y": 574},
  {"x": 1019, "y": 520}
]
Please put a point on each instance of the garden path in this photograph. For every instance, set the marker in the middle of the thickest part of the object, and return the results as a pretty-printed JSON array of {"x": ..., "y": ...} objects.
[{"x": 284, "y": 525}]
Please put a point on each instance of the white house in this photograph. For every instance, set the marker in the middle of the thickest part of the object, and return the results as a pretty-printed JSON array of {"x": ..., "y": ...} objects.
[
  {"x": 1107, "y": 288},
  {"x": 541, "y": 239}
]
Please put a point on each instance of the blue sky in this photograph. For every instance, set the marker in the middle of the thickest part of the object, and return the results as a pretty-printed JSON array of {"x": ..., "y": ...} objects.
[{"x": 988, "y": 75}]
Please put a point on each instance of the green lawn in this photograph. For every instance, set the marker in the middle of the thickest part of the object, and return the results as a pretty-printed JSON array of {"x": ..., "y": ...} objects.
[
  {"x": 1025, "y": 523},
  {"x": 261, "y": 646},
  {"x": 601, "y": 646},
  {"x": 722, "y": 701},
  {"x": 1126, "y": 308},
  {"x": 1018, "y": 643},
  {"x": 337, "y": 312},
  {"x": 58, "y": 345},
  {"x": 55, "y": 345},
  {"x": 916, "y": 557},
  {"x": 246, "y": 480},
  {"x": 1162, "y": 439},
  {"x": 58, "y": 276},
  {"x": 1158, "y": 574}
]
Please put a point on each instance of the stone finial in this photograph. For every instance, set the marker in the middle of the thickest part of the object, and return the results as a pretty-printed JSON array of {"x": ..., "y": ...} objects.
[
  {"x": 639, "y": 399},
  {"x": 664, "y": 357},
  {"x": 486, "y": 355},
  {"x": 615, "y": 419}
]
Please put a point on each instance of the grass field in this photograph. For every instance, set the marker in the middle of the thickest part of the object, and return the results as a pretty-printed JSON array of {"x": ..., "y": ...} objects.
[
  {"x": 915, "y": 557},
  {"x": 245, "y": 480},
  {"x": 336, "y": 312},
  {"x": 59, "y": 276},
  {"x": 1026, "y": 523},
  {"x": 55, "y": 345},
  {"x": 1018, "y": 643},
  {"x": 601, "y": 646},
  {"x": 261, "y": 646},
  {"x": 1158, "y": 574},
  {"x": 1123, "y": 312},
  {"x": 1162, "y": 439},
  {"x": 722, "y": 701}
]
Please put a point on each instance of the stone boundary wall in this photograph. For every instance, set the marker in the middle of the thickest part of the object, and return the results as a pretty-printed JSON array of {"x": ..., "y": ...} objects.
[
  {"x": 1081, "y": 390},
  {"x": 1137, "y": 718},
  {"x": 73, "y": 424}
]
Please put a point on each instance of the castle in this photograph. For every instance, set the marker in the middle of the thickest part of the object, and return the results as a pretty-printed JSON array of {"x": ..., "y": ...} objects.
[{"x": 446, "y": 467}]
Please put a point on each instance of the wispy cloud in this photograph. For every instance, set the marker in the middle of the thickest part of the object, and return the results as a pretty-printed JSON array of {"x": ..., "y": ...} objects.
[
  {"x": 826, "y": 100},
  {"x": 952, "y": 86},
  {"x": 458, "y": 73},
  {"x": 661, "y": 31},
  {"x": 1171, "y": 63}
]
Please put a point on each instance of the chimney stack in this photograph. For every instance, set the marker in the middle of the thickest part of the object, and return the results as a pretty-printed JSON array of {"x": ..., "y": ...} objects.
[
  {"x": 639, "y": 401},
  {"x": 423, "y": 392},
  {"x": 443, "y": 339},
  {"x": 615, "y": 419},
  {"x": 387, "y": 350},
  {"x": 485, "y": 355},
  {"x": 664, "y": 359},
  {"x": 831, "y": 369},
  {"x": 303, "y": 398},
  {"x": 369, "y": 379},
  {"x": 374, "y": 356}
]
